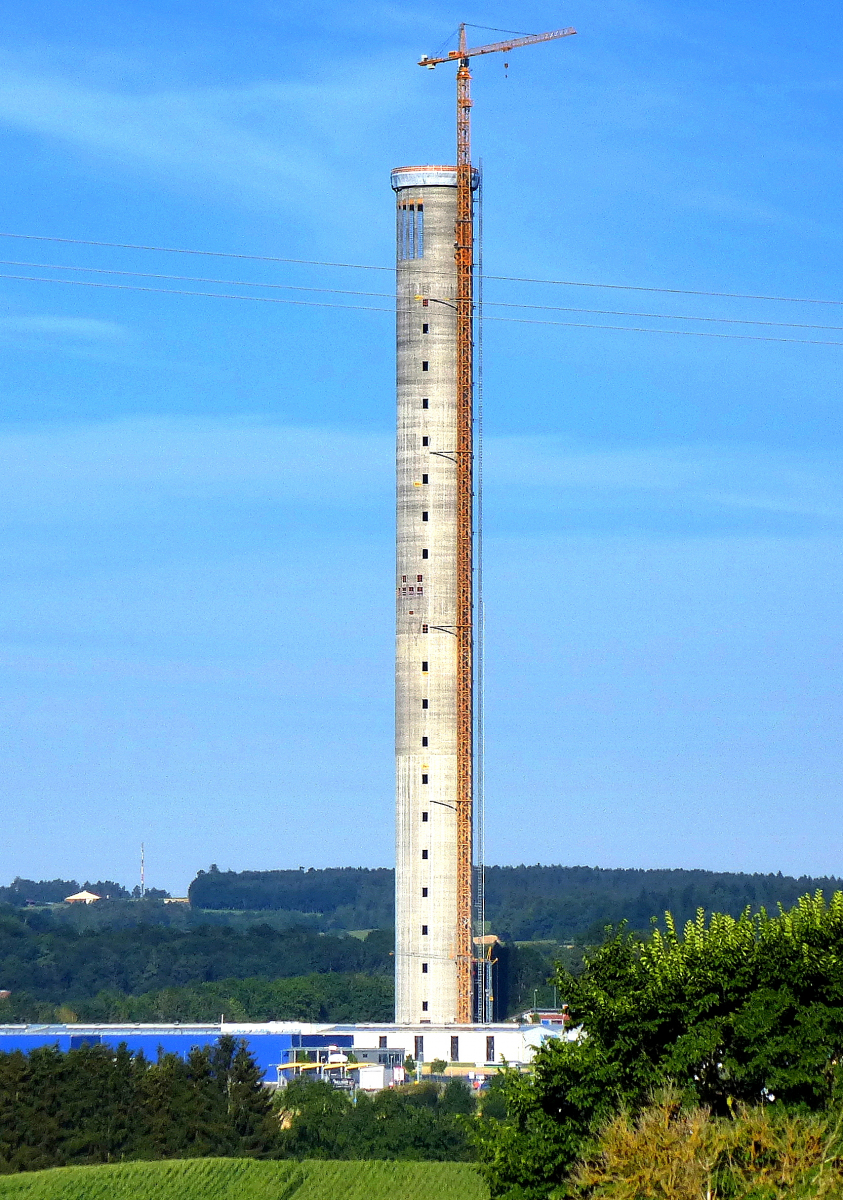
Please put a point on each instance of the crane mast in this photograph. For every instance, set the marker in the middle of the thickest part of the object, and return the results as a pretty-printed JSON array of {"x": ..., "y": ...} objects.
[{"x": 464, "y": 255}]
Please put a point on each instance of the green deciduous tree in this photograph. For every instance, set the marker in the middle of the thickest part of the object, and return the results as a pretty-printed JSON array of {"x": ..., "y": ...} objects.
[
  {"x": 732, "y": 1010},
  {"x": 421, "y": 1122}
]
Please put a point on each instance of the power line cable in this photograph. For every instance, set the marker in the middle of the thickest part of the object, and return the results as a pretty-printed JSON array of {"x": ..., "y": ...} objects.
[
  {"x": 287, "y": 287},
  {"x": 305, "y": 262},
  {"x": 312, "y": 262},
  {"x": 127, "y": 287},
  {"x": 610, "y": 312},
  {"x": 597, "y": 312}
]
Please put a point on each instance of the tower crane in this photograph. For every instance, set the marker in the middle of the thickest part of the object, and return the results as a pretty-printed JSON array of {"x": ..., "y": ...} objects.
[{"x": 464, "y": 255}]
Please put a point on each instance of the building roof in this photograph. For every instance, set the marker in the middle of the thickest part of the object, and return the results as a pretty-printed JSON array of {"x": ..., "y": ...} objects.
[{"x": 83, "y": 897}]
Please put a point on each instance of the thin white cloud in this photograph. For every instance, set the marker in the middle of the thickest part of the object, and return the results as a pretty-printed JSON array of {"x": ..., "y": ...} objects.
[
  {"x": 110, "y": 470},
  {"x": 87, "y": 329},
  {"x": 727, "y": 478},
  {"x": 266, "y": 141}
]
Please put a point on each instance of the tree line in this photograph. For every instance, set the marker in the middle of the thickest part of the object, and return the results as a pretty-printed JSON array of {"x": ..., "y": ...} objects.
[
  {"x": 135, "y": 969},
  {"x": 98, "y": 1105},
  {"x": 332, "y": 997},
  {"x": 22, "y": 892},
  {"x": 427, "y": 1121},
  {"x": 523, "y": 903},
  {"x": 55, "y": 962},
  {"x": 716, "y": 1048},
  {"x": 150, "y": 971}
]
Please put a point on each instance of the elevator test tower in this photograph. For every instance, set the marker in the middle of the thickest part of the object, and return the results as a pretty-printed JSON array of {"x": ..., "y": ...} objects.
[{"x": 434, "y": 667}]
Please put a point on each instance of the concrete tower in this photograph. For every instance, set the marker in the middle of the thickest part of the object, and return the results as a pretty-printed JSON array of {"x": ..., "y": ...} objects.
[{"x": 426, "y": 645}]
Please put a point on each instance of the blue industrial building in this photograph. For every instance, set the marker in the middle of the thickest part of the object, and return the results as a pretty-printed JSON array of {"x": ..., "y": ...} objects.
[
  {"x": 277, "y": 1045},
  {"x": 272, "y": 1047}
]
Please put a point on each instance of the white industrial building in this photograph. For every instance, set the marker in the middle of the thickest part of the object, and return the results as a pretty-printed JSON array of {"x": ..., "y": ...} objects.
[{"x": 283, "y": 1049}]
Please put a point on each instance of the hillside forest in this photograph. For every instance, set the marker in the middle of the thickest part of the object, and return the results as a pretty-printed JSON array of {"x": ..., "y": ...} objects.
[{"x": 317, "y": 944}]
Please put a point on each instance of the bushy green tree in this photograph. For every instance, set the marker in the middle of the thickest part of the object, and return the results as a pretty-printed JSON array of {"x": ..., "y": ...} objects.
[
  {"x": 733, "y": 1010},
  {"x": 416, "y": 1123}
]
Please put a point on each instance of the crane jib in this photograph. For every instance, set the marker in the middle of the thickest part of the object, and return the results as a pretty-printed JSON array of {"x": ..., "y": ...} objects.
[{"x": 495, "y": 47}]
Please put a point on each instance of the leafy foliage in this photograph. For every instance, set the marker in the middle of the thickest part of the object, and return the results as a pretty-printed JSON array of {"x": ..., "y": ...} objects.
[
  {"x": 421, "y": 1122},
  {"x": 244, "y": 1179},
  {"x": 733, "y": 1010},
  {"x": 759, "y": 1154}
]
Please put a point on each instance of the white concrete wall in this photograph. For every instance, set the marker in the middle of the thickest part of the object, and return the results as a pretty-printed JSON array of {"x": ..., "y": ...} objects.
[
  {"x": 425, "y": 950},
  {"x": 514, "y": 1044}
]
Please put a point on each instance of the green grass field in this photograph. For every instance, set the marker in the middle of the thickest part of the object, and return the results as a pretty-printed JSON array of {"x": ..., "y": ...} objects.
[{"x": 243, "y": 1179}]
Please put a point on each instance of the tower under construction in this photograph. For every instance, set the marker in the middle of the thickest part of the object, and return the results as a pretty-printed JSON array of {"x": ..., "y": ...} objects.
[
  {"x": 434, "y": 667},
  {"x": 434, "y": 610}
]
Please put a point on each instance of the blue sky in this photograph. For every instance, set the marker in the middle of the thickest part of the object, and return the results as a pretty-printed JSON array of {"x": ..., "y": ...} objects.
[{"x": 196, "y": 504}]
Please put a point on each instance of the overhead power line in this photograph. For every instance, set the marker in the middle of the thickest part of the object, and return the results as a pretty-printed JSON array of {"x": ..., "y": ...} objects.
[
  {"x": 291, "y": 287},
  {"x": 287, "y": 287},
  {"x": 129, "y": 287},
  {"x": 312, "y": 262}
]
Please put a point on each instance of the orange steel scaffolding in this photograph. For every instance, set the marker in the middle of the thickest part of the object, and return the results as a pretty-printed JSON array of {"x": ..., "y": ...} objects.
[{"x": 464, "y": 255}]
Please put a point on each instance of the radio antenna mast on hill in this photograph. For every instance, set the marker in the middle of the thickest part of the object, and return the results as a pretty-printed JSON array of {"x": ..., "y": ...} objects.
[{"x": 464, "y": 255}]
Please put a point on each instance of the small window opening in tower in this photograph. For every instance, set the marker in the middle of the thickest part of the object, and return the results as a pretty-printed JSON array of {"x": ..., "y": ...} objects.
[
  {"x": 425, "y": 441},
  {"x": 425, "y": 328},
  {"x": 425, "y": 516},
  {"x": 424, "y": 965},
  {"x": 425, "y": 366},
  {"x": 424, "y": 664},
  {"x": 424, "y": 931},
  {"x": 425, "y": 479},
  {"x": 424, "y": 741},
  {"x": 424, "y": 703},
  {"x": 424, "y": 816},
  {"x": 424, "y": 629},
  {"x": 424, "y": 779},
  {"x": 424, "y": 854},
  {"x": 425, "y": 554},
  {"x": 424, "y": 402},
  {"x": 424, "y": 1006},
  {"x": 424, "y": 891},
  {"x": 420, "y": 579}
]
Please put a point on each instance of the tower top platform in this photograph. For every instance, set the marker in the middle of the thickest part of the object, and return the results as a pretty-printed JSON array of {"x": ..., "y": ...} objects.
[{"x": 429, "y": 176}]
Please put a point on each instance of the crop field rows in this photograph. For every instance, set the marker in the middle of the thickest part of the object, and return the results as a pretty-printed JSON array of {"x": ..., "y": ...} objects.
[{"x": 245, "y": 1179}]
